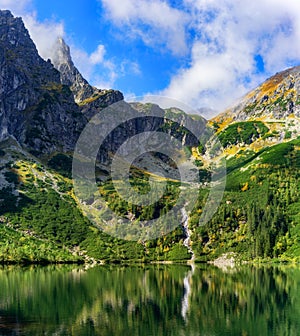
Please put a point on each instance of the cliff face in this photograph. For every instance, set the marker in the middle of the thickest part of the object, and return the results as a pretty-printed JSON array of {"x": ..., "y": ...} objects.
[
  {"x": 68, "y": 72},
  {"x": 45, "y": 107},
  {"x": 278, "y": 97},
  {"x": 35, "y": 108},
  {"x": 87, "y": 96}
]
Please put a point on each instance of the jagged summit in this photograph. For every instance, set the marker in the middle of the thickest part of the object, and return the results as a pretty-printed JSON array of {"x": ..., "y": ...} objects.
[
  {"x": 35, "y": 108},
  {"x": 70, "y": 75},
  {"x": 19, "y": 50},
  {"x": 277, "y": 98},
  {"x": 43, "y": 107}
]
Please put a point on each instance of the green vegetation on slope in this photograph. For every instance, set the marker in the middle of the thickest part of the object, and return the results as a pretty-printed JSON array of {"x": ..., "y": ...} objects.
[
  {"x": 242, "y": 132},
  {"x": 47, "y": 218},
  {"x": 259, "y": 215}
]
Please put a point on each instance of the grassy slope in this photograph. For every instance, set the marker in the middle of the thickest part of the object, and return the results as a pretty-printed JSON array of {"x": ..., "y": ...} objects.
[
  {"x": 43, "y": 223},
  {"x": 259, "y": 215}
]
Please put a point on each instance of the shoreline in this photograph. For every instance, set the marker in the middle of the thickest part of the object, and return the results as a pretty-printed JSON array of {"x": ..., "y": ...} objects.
[{"x": 226, "y": 261}]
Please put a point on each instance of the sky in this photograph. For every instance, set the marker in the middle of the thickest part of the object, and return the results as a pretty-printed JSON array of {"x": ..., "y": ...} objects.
[{"x": 204, "y": 53}]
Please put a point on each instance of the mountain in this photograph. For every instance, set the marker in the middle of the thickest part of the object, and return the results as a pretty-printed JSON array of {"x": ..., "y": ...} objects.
[
  {"x": 71, "y": 77},
  {"x": 277, "y": 98},
  {"x": 37, "y": 104},
  {"x": 44, "y": 109},
  {"x": 69, "y": 74},
  {"x": 36, "y": 109},
  {"x": 259, "y": 214}
]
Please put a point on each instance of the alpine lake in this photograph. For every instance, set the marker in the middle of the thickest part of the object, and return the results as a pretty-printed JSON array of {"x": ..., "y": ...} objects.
[{"x": 149, "y": 300}]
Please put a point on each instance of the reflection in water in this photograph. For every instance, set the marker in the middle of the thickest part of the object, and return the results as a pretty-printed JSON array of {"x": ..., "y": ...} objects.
[
  {"x": 187, "y": 292},
  {"x": 149, "y": 300}
]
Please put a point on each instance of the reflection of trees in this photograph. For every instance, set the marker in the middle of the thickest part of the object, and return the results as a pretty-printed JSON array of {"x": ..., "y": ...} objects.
[
  {"x": 103, "y": 301},
  {"x": 147, "y": 300},
  {"x": 253, "y": 300}
]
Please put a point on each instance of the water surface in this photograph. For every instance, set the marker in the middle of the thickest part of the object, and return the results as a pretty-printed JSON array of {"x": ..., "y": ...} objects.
[{"x": 149, "y": 300}]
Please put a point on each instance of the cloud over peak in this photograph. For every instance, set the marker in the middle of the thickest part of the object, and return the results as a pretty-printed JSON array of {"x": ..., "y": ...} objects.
[
  {"x": 230, "y": 37},
  {"x": 207, "y": 53}
]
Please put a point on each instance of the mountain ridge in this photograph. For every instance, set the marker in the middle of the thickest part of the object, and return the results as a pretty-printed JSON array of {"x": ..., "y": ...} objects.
[
  {"x": 276, "y": 98},
  {"x": 40, "y": 122}
]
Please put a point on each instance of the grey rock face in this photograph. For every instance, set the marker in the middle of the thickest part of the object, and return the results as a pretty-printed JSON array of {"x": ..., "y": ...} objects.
[
  {"x": 100, "y": 100},
  {"x": 277, "y": 98},
  {"x": 35, "y": 108},
  {"x": 83, "y": 92},
  {"x": 68, "y": 72},
  {"x": 37, "y": 100}
]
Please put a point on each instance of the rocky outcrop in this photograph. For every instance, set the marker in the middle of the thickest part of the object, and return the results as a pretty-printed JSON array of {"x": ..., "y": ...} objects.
[
  {"x": 277, "y": 98},
  {"x": 38, "y": 107},
  {"x": 89, "y": 97},
  {"x": 35, "y": 108},
  {"x": 69, "y": 74},
  {"x": 99, "y": 100}
]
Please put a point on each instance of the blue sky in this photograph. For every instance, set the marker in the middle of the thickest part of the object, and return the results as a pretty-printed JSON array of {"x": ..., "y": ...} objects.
[{"x": 205, "y": 53}]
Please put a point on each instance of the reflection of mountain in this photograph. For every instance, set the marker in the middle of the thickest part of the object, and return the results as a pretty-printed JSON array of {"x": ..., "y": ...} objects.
[{"x": 148, "y": 301}]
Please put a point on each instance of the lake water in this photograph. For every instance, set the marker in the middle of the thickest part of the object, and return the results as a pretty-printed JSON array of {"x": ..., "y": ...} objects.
[{"x": 150, "y": 300}]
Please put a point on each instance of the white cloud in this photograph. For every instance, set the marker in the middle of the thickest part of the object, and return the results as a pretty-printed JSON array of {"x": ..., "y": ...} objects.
[
  {"x": 220, "y": 38},
  {"x": 95, "y": 67},
  {"x": 44, "y": 34},
  {"x": 17, "y": 7},
  {"x": 155, "y": 22},
  {"x": 98, "y": 55},
  {"x": 228, "y": 36},
  {"x": 130, "y": 67},
  {"x": 99, "y": 69}
]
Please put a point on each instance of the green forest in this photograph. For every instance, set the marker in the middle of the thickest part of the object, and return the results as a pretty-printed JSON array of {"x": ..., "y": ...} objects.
[{"x": 258, "y": 218}]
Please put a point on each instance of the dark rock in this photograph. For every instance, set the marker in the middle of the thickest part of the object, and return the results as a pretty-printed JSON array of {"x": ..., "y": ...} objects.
[{"x": 35, "y": 108}]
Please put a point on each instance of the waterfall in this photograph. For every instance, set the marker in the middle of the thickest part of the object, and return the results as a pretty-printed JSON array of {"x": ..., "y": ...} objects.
[
  {"x": 188, "y": 277},
  {"x": 187, "y": 232}
]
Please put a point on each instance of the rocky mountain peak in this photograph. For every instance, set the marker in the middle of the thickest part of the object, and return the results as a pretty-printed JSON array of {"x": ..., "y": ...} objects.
[
  {"x": 16, "y": 41},
  {"x": 37, "y": 100},
  {"x": 35, "y": 108},
  {"x": 276, "y": 98},
  {"x": 69, "y": 74},
  {"x": 83, "y": 92},
  {"x": 62, "y": 53}
]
